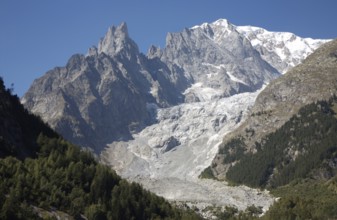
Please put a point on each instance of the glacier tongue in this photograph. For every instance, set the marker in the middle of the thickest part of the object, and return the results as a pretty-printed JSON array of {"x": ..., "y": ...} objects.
[{"x": 168, "y": 156}]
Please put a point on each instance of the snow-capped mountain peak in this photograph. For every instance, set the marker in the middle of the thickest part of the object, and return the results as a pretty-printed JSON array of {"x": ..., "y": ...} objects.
[
  {"x": 223, "y": 23},
  {"x": 217, "y": 30},
  {"x": 283, "y": 50}
]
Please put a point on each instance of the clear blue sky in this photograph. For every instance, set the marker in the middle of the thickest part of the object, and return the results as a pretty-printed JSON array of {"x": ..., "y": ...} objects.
[{"x": 37, "y": 35}]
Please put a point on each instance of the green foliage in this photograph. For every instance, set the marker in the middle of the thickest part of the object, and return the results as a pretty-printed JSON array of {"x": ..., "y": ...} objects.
[
  {"x": 307, "y": 199},
  {"x": 254, "y": 211},
  {"x": 231, "y": 213},
  {"x": 95, "y": 212},
  {"x": 304, "y": 144},
  {"x": 228, "y": 213},
  {"x": 233, "y": 150}
]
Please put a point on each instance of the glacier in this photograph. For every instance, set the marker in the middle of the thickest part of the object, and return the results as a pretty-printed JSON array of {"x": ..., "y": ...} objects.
[{"x": 168, "y": 156}]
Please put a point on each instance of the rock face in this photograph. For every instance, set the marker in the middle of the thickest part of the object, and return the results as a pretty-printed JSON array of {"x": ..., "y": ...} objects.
[
  {"x": 313, "y": 80},
  {"x": 217, "y": 58},
  {"x": 102, "y": 97},
  {"x": 158, "y": 119}
]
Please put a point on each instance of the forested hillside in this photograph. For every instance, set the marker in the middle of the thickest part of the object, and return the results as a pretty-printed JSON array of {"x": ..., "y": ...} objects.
[
  {"x": 45, "y": 177},
  {"x": 298, "y": 163},
  {"x": 305, "y": 146},
  {"x": 18, "y": 128}
]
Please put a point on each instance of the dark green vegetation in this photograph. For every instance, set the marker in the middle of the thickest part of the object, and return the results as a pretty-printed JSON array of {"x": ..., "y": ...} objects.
[
  {"x": 66, "y": 179},
  {"x": 232, "y": 213},
  {"x": 233, "y": 150},
  {"x": 40, "y": 173},
  {"x": 305, "y": 146},
  {"x": 307, "y": 199},
  {"x": 18, "y": 128}
]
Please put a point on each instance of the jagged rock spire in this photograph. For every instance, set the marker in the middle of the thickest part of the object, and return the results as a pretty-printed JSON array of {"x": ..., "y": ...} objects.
[{"x": 116, "y": 40}]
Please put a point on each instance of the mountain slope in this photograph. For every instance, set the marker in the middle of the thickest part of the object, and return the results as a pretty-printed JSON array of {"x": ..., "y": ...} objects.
[
  {"x": 308, "y": 149},
  {"x": 313, "y": 80},
  {"x": 62, "y": 181}
]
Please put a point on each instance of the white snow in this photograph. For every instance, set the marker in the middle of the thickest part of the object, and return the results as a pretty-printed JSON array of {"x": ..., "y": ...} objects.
[
  {"x": 221, "y": 68},
  {"x": 233, "y": 78},
  {"x": 222, "y": 23},
  {"x": 203, "y": 93}
]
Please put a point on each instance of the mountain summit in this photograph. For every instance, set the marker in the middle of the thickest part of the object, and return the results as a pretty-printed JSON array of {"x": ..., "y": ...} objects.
[{"x": 116, "y": 40}]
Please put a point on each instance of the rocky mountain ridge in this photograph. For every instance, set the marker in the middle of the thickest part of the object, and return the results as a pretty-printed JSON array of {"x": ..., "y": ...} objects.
[{"x": 103, "y": 96}]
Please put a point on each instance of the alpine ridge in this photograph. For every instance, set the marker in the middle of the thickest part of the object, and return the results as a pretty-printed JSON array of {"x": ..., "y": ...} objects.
[
  {"x": 158, "y": 118},
  {"x": 103, "y": 96}
]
